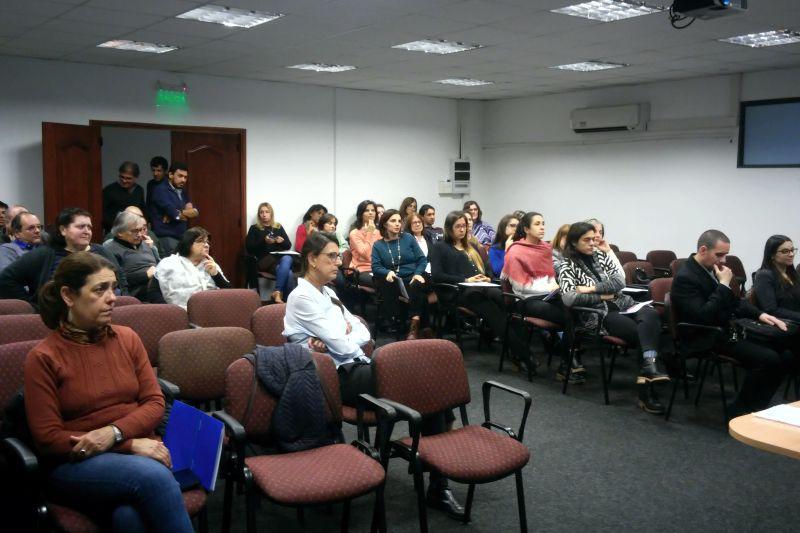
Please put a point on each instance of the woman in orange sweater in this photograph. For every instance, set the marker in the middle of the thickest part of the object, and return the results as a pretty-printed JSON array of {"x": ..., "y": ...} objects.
[
  {"x": 362, "y": 236},
  {"x": 93, "y": 403}
]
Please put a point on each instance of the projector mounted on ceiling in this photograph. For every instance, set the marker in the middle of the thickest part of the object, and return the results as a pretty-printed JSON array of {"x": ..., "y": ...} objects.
[{"x": 707, "y": 9}]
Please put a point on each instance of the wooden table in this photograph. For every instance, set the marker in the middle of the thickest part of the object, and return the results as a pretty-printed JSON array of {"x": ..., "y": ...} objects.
[{"x": 775, "y": 437}]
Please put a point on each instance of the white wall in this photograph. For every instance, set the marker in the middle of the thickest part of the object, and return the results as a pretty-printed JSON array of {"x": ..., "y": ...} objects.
[
  {"x": 658, "y": 189},
  {"x": 305, "y": 144},
  {"x": 132, "y": 144}
]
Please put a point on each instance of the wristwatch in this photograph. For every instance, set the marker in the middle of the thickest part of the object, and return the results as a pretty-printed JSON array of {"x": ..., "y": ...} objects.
[{"x": 118, "y": 438}]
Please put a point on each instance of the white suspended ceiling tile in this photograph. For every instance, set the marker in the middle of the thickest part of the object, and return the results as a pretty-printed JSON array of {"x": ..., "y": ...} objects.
[
  {"x": 165, "y": 8},
  {"x": 96, "y": 15},
  {"x": 423, "y": 25},
  {"x": 194, "y": 28},
  {"x": 478, "y": 11}
]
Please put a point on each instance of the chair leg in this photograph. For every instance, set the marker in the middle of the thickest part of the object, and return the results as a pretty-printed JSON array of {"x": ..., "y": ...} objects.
[
  {"x": 202, "y": 520},
  {"x": 613, "y": 352},
  {"x": 571, "y": 354},
  {"x": 722, "y": 392},
  {"x": 227, "y": 504},
  {"x": 346, "y": 517},
  {"x": 301, "y": 516},
  {"x": 603, "y": 375},
  {"x": 703, "y": 372},
  {"x": 504, "y": 348},
  {"x": 379, "y": 513},
  {"x": 419, "y": 485},
  {"x": 672, "y": 396},
  {"x": 250, "y": 503},
  {"x": 468, "y": 505},
  {"x": 735, "y": 380},
  {"x": 523, "y": 520}
]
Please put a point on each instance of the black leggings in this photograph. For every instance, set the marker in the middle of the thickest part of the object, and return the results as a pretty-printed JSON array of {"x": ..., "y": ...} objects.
[
  {"x": 642, "y": 329},
  {"x": 552, "y": 312},
  {"x": 488, "y": 304}
]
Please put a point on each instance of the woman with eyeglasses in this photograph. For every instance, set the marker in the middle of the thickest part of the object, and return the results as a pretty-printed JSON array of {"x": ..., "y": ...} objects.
[
  {"x": 415, "y": 226},
  {"x": 776, "y": 286},
  {"x": 502, "y": 240},
  {"x": 190, "y": 269}
]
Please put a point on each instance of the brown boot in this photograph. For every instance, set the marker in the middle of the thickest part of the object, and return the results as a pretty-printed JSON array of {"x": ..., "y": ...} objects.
[
  {"x": 413, "y": 329},
  {"x": 277, "y": 297}
]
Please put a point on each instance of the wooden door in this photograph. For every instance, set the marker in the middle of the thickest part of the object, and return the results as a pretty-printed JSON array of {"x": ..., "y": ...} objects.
[
  {"x": 216, "y": 187},
  {"x": 71, "y": 159}
]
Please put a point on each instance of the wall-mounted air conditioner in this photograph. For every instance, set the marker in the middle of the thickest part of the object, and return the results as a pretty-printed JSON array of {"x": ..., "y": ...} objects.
[{"x": 631, "y": 117}]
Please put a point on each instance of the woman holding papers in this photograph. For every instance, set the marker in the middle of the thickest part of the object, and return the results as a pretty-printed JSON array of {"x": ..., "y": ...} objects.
[
  {"x": 590, "y": 278},
  {"x": 452, "y": 264},
  {"x": 93, "y": 403},
  {"x": 398, "y": 265},
  {"x": 264, "y": 239}
]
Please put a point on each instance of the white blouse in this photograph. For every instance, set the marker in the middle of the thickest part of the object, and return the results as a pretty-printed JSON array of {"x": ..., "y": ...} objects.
[
  {"x": 179, "y": 278},
  {"x": 423, "y": 245}
]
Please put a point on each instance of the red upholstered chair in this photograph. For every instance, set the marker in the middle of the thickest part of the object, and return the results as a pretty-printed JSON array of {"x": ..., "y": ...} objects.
[
  {"x": 12, "y": 359},
  {"x": 661, "y": 260},
  {"x": 123, "y": 301},
  {"x": 318, "y": 476},
  {"x": 267, "y": 325},
  {"x": 625, "y": 257},
  {"x": 151, "y": 322},
  {"x": 17, "y": 328},
  {"x": 638, "y": 272},
  {"x": 365, "y": 292},
  {"x": 659, "y": 288},
  {"x": 676, "y": 264},
  {"x": 739, "y": 274},
  {"x": 16, "y": 307},
  {"x": 196, "y": 359},
  {"x": 424, "y": 377},
  {"x": 224, "y": 307}
]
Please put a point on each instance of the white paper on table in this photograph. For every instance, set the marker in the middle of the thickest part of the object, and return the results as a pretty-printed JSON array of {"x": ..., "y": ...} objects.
[
  {"x": 781, "y": 413},
  {"x": 633, "y": 290},
  {"x": 285, "y": 252},
  {"x": 634, "y": 308},
  {"x": 478, "y": 284}
]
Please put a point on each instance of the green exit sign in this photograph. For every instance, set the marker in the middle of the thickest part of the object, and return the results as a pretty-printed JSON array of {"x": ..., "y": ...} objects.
[{"x": 171, "y": 98}]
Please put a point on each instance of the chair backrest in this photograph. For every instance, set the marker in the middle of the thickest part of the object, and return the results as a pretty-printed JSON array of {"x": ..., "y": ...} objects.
[
  {"x": 661, "y": 258},
  {"x": 347, "y": 258},
  {"x": 672, "y": 317},
  {"x": 267, "y": 325},
  {"x": 196, "y": 359},
  {"x": 18, "y": 328},
  {"x": 659, "y": 288},
  {"x": 676, "y": 264},
  {"x": 151, "y": 322},
  {"x": 225, "y": 307},
  {"x": 239, "y": 392},
  {"x": 631, "y": 267},
  {"x": 16, "y": 307},
  {"x": 615, "y": 248},
  {"x": 123, "y": 301},
  {"x": 426, "y": 375},
  {"x": 625, "y": 257},
  {"x": 12, "y": 361}
]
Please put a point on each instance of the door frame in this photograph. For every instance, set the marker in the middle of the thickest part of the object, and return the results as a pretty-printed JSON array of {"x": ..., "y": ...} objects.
[{"x": 242, "y": 133}]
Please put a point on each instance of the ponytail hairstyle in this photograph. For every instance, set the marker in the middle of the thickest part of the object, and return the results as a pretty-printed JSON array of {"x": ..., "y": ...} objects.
[
  {"x": 524, "y": 223},
  {"x": 72, "y": 272}
]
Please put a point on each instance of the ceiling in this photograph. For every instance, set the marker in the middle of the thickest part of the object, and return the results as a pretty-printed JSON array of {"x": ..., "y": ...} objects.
[{"x": 521, "y": 40}]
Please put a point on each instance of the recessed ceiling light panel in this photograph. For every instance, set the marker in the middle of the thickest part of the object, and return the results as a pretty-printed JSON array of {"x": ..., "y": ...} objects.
[
  {"x": 322, "y": 67},
  {"x": 436, "y": 46},
  {"x": 465, "y": 82},
  {"x": 137, "y": 46},
  {"x": 765, "y": 38},
  {"x": 608, "y": 10},
  {"x": 589, "y": 66},
  {"x": 229, "y": 16}
]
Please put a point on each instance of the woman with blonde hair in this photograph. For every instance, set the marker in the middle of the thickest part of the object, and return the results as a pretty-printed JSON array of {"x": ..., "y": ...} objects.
[{"x": 264, "y": 239}]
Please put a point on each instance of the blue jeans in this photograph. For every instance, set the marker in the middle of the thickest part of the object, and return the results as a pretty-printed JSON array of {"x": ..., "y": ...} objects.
[
  {"x": 283, "y": 273},
  {"x": 125, "y": 493}
]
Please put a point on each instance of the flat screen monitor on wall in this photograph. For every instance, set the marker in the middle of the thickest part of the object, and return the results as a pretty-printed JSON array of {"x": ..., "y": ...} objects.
[{"x": 769, "y": 133}]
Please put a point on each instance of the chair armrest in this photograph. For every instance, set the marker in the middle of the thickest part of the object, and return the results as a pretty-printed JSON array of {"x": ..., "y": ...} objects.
[
  {"x": 194, "y": 326},
  {"x": 447, "y": 286},
  {"x": 689, "y": 325},
  {"x": 21, "y": 456},
  {"x": 637, "y": 286},
  {"x": 407, "y": 414},
  {"x": 233, "y": 427},
  {"x": 664, "y": 272},
  {"x": 169, "y": 388},
  {"x": 385, "y": 415},
  {"x": 487, "y": 389}
]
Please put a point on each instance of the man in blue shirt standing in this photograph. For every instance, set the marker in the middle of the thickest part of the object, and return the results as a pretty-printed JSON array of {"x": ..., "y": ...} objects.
[{"x": 172, "y": 207}]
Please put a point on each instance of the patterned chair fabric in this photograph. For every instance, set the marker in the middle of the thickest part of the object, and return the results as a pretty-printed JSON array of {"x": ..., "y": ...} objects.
[
  {"x": 151, "y": 322},
  {"x": 196, "y": 359},
  {"x": 631, "y": 267},
  {"x": 425, "y": 375},
  {"x": 661, "y": 258},
  {"x": 12, "y": 360},
  {"x": 658, "y": 292},
  {"x": 18, "y": 328},
  {"x": 625, "y": 257},
  {"x": 16, "y": 307},
  {"x": 225, "y": 307},
  {"x": 267, "y": 325},
  {"x": 123, "y": 301}
]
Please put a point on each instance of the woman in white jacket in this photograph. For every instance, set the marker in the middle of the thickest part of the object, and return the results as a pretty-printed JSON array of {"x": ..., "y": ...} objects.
[{"x": 190, "y": 269}]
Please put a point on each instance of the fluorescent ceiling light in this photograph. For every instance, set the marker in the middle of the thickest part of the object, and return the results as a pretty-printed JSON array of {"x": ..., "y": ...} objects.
[
  {"x": 765, "y": 38},
  {"x": 136, "y": 46},
  {"x": 229, "y": 16},
  {"x": 608, "y": 10},
  {"x": 464, "y": 82},
  {"x": 436, "y": 46},
  {"x": 322, "y": 67},
  {"x": 589, "y": 66}
]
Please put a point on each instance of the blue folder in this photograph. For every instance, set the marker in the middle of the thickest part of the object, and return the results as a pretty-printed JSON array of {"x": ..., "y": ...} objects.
[{"x": 194, "y": 440}]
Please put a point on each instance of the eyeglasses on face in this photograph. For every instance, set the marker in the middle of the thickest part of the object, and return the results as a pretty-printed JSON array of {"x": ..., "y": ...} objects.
[
  {"x": 788, "y": 251},
  {"x": 333, "y": 256}
]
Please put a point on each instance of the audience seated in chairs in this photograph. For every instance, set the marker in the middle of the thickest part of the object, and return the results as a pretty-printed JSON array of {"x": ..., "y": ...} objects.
[
  {"x": 363, "y": 236},
  {"x": 476, "y": 250},
  {"x": 190, "y": 269},
  {"x": 22, "y": 278},
  {"x": 451, "y": 264},
  {"x": 415, "y": 226},
  {"x": 25, "y": 231},
  {"x": 310, "y": 219},
  {"x": 776, "y": 284},
  {"x": 558, "y": 244},
  {"x": 137, "y": 258},
  {"x": 483, "y": 232},
  {"x": 701, "y": 294},
  {"x": 316, "y": 318},
  {"x": 502, "y": 240},
  {"x": 407, "y": 207},
  {"x": 265, "y": 237},
  {"x": 591, "y": 278},
  {"x": 428, "y": 214},
  {"x": 97, "y": 429},
  {"x": 330, "y": 224}
]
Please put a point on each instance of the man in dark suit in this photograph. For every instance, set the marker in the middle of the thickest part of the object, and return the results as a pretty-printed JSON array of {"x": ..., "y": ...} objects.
[
  {"x": 172, "y": 207},
  {"x": 701, "y": 294},
  {"x": 122, "y": 193}
]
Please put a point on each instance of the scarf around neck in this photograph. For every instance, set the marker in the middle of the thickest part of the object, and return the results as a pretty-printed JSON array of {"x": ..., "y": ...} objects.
[
  {"x": 91, "y": 336},
  {"x": 526, "y": 262}
]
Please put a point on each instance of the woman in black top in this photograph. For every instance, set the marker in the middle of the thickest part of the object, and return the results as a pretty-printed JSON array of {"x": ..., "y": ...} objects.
[
  {"x": 265, "y": 237},
  {"x": 776, "y": 287},
  {"x": 450, "y": 263}
]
